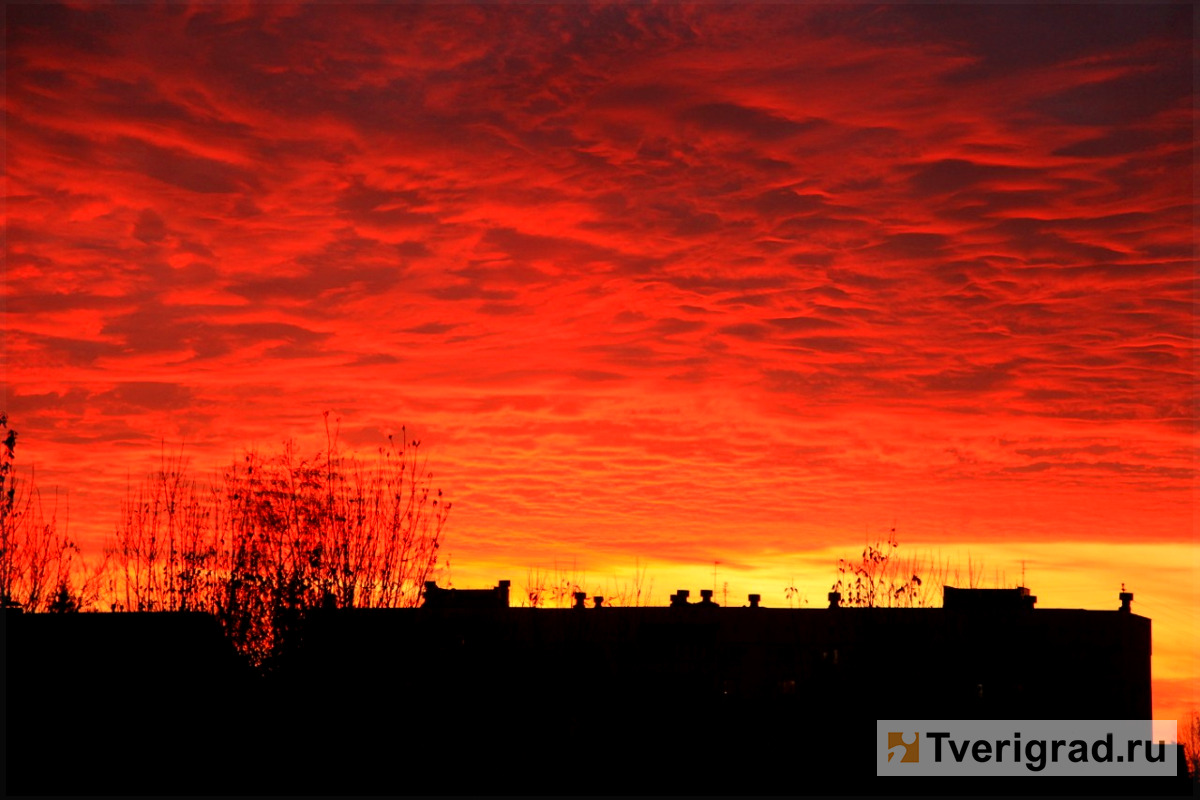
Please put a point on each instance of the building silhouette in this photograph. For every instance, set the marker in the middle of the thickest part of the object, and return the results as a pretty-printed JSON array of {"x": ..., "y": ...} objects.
[{"x": 469, "y": 695}]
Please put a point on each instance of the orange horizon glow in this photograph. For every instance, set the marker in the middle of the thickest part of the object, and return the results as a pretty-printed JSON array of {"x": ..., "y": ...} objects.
[{"x": 683, "y": 287}]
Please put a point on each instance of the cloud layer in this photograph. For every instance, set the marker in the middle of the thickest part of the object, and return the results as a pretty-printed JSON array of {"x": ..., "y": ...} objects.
[{"x": 685, "y": 283}]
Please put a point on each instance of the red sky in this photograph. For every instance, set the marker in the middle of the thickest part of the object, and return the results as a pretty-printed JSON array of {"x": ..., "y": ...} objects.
[{"x": 668, "y": 285}]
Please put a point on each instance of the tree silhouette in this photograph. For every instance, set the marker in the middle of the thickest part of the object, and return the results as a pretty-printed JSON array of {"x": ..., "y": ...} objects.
[
  {"x": 40, "y": 568},
  {"x": 1189, "y": 740}
]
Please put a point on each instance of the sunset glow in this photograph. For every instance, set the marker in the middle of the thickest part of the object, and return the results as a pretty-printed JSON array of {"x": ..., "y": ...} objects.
[{"x": 719, "y": 291}]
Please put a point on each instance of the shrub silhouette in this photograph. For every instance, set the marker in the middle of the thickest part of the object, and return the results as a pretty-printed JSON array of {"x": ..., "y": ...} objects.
[
  {"x": 881, "y": 579},
  {"x": 277, "y": 535},
  {"x": 878, "y": 579},
  {"x": 558, "y": 588}
]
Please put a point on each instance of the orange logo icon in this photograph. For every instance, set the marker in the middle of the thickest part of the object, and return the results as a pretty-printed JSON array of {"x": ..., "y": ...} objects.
[{"x": 911, "y": 750}]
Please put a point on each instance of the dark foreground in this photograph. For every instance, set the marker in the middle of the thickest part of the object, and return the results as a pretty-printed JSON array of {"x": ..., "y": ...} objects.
[{"x": 515, "y": 701}]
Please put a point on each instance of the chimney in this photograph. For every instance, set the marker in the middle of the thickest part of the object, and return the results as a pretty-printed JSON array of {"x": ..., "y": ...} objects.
[
  {"x": 502, "y": 593},
  {"x": 706, "y": 597},
  {"x": 1126, "y": 601},
  {"x": 680, "y": 598},
  {"x": 754, "y": 600},
  {"x": 581, "y": 600},
  {"x": 835, "y": 599},
  {"x": 597, "y": 601}
]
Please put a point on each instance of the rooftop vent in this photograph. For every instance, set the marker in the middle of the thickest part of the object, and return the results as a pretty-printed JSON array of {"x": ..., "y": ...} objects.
[
  {"x": 680, "y": 598},
  {"x": 1126, "y": 600}
]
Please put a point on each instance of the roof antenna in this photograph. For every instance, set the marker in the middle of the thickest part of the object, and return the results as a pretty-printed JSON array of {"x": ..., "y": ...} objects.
[{"x": 1022, "y": 572}]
